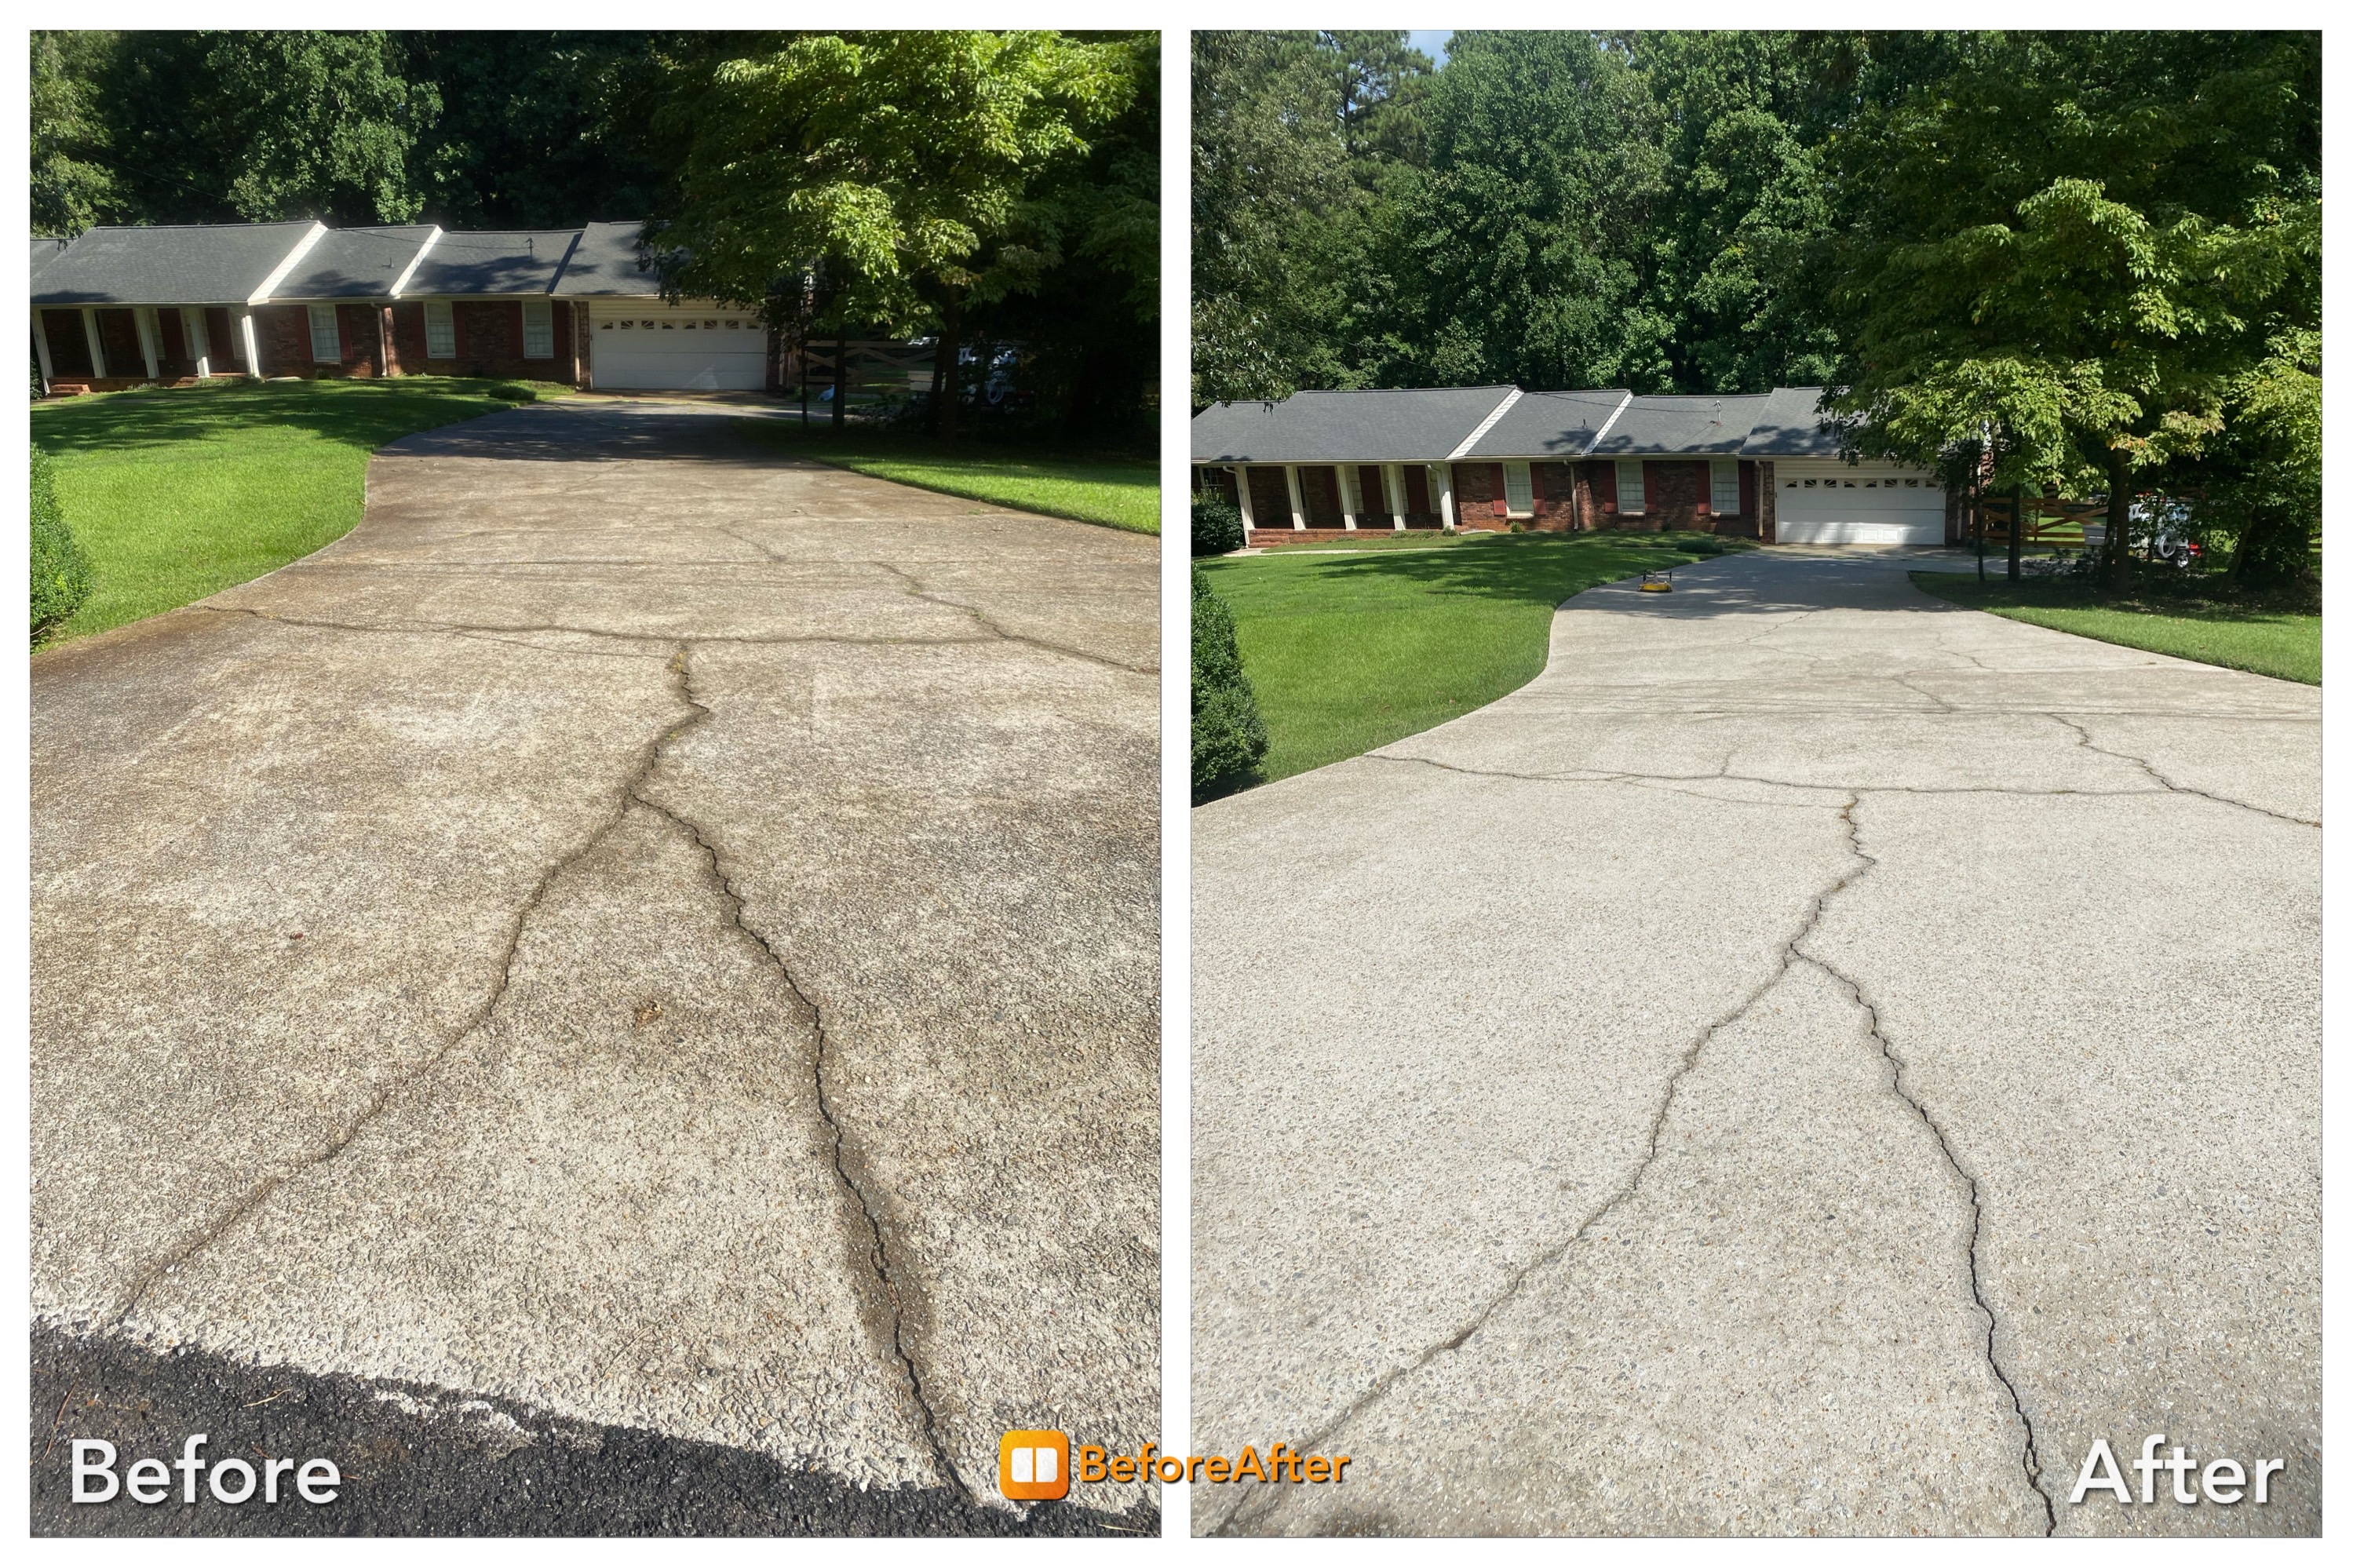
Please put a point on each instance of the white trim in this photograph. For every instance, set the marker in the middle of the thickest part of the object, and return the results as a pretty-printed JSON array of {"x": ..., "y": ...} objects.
[
  {"x": 1595, "y": 445},
  {"x": 41, "y": 349},
  {"x": 1446, "y": 517},
  {"x": 1241, "y": 490},
  {"x": 1351, "y": 488},
  {"x": 252, "y": 348},
  {"x": 197, "y": 339},
  {"x": 96, "y": 347},
  {"x": 410, "y": 270},
  {"x": 1485, "y": 424},
  {"x": 301, "y": 248},
  {"x": 1298, "y": 502},
  {"x": 1393, "y": 492}
]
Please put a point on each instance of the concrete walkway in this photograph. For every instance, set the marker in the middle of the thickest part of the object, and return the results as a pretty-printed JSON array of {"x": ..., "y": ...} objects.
[
  {"x": 642, "y": 928},
  {"x": 1812, "y": 1061}
]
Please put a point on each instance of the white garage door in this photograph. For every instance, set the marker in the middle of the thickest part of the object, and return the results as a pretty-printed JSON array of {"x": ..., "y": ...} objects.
[
  {"x": 1828, "y": 502},
  {"x": 663, "y": 347}
]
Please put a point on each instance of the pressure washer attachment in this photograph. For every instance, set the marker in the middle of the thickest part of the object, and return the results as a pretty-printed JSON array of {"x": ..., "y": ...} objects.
[{"x": 1659, "y": 582}]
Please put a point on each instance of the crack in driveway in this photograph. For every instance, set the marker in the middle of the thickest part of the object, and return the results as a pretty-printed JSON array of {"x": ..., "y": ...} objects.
[{"x": 1244, "y": 1511}]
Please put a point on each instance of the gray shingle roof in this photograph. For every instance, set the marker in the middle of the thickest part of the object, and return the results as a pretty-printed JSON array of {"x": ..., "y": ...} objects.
[
  {"x": 1790, "y": 426},
  {"x": 354, "y": 263},
  {"x": 44, "y": 250},
  {"x": 607, "y": 263},
  {"x": 1548, "y": 426},
  {"x": 1392, "y": 426},
  {"x": 519, "y": 261},
  {"x": 201, "y": 264},
  {"x": 1681, "y": 426}
]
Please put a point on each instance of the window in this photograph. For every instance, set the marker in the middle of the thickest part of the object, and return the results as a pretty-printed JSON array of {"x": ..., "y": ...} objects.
[
  {"x": 1519, "y": 494},
  {"x": 1630, "y": 488},
  {"x": 326, "y": 341},
  {"x": 440, "y": 330},
  {"x": 1724, "y": 487},
  {"x": 538, "y": 329}
]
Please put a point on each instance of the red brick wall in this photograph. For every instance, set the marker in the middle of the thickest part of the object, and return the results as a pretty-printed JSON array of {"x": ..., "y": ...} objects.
[
  {"x": 1556, "y": 496},
  {"x": 1319, "y": 496},
  {"x": 1601, "y": 492},
  {"x": 1478, "y": 495},
  {"x": 227, "y": 342},
  {"x": 1675, "y": 494},
  {"x": 69, "y": 346},
  {"x": 1270, "y": 499},
  {"x": 355, "y": 326}
]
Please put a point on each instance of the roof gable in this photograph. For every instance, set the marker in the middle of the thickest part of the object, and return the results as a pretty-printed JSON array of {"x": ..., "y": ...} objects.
[
  {"x": 355, "y": 263},
  {"x": 197, "y": 264}
]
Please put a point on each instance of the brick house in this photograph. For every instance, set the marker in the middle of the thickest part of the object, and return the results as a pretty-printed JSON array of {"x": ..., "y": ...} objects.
[
  {"x": 1759, "y": 465},
  {"x": 125, "y": 307}
]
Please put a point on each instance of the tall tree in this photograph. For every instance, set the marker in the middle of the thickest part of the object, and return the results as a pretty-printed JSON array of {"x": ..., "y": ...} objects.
[
  {"x": 73, "y": 185},
  {"x": 907, "y": 156},
  {"x": 2085, "y": 246},
  {"x": 266, "y": 125}
]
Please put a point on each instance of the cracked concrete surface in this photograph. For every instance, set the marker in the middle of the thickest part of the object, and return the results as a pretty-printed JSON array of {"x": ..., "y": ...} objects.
[
  {"x": 640, "y": 927},
  {"x": 1811, "y": 1062}
]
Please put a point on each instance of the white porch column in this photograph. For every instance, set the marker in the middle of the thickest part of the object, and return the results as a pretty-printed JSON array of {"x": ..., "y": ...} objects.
[
  {"x": 1345, "y": 478},
  {"x": 1393, "y": 492},
  {"x": 1298, "y": 505},
  {"x": 252, "y": 350},
  {"x": 149, "y": 331},
  {"x": 1241, "y": 493},
  {"x": 97, "y": 349},
  {"x": 41, "y": 349},
  {"x": 192, "y": 331},
  {"x": 1446, "y": 517}
]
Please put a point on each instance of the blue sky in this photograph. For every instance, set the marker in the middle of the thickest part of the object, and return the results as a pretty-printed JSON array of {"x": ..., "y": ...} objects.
[{"x": 1431, "y": 42}]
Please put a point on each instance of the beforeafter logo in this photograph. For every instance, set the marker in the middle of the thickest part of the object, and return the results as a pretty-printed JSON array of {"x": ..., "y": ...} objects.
[{"x": 1033, "y": 1466}]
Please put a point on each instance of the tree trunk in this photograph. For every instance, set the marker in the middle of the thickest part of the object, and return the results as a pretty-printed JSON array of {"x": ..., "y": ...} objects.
[
  {"x": 2017, "y": 528},
  {"x": 841, "y": 381},
  {"x": 2119, "y": 520},
  {"x": 944, "y": 367}
]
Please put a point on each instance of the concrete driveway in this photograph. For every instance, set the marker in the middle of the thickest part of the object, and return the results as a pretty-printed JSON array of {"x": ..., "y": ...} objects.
[
  {"x": 646, "y": 935},
  {"x": 1812, "y": 1061}
]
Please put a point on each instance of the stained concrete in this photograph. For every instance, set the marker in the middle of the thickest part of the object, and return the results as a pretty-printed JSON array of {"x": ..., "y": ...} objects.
[
  {"x": 642, "y": 927},
  {"x": 1811, "y": 1062}
]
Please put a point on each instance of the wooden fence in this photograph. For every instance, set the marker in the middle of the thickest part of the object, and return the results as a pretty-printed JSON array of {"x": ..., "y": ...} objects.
[{"x": 2049, "y": 524}]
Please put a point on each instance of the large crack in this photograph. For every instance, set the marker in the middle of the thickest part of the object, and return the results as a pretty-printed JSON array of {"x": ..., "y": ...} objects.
[
  {"x": 2084, "y": 739},
  {"x": 878, "y": 1250},
  {"x": 1261, "y": 1500},
  {"x": 2031, "y": 1460},
  {"x": 380, "y": 1100}
]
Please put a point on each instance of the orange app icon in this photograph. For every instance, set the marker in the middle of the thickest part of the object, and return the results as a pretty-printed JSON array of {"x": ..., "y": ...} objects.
[{"x": 1033, "y": 1466}]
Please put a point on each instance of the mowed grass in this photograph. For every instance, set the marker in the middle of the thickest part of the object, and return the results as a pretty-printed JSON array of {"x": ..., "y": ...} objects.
[
  {"x": 1115, "y": 492},
  {"x": 1352, "y": 650},
  {"x": 2266, "y": 639},
  {"x": 178, "y": 493}
]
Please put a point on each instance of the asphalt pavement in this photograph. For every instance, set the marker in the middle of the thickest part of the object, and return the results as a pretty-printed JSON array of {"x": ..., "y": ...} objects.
[
  {"x": 643, "y": 932},
  {"x": 1813, "y": 1061}
]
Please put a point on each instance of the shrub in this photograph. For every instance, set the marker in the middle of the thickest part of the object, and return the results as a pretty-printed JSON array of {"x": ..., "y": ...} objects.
[
  {"x": 1217, "y": 525},
  {"x": 1229, "y": 736},
  {"x": 514, "y": 392},
  {"x": 61, "y": 570}
]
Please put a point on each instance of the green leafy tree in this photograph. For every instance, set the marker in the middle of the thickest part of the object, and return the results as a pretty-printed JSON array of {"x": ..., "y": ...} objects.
[
  {"x": 73, "y": 186},
  {"x": 61, "y": 571},
  {"x": 905, "y": 158},
  {"x": 2085, "y": 246},
  {"x": 260, "y": 126}
]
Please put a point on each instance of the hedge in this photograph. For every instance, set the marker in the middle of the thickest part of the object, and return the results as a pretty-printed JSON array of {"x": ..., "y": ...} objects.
[
  {"x": 1217, "y": 525},
  {"x": 61, "y": 570},
  {"x": 1229, "y": 736}
]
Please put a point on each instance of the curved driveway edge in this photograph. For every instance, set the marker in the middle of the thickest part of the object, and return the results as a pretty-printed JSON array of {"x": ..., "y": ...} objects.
[
  {"x": 640, "y": 927},
  {"x": 1812, "y": 1061}
]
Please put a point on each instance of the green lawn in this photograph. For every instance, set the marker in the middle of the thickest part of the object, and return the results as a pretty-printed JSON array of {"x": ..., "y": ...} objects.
[
  {"x": 1351, "y": 651},
  {"x": 1118, "y": 492},
  {"x": 179, "y": 493},
  {"x": 2267, "y": 639}
]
